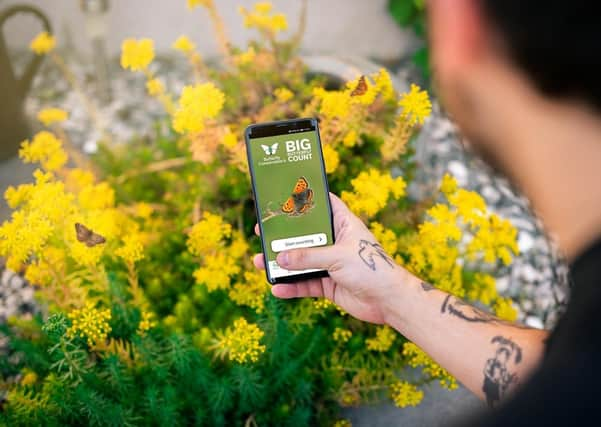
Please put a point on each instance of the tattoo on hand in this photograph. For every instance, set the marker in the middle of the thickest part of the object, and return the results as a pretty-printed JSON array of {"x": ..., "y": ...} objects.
[
  {"x": 368, "y": 252},
  {"x": 499, "y": 370},
  {"x": 427, "y": 287}
]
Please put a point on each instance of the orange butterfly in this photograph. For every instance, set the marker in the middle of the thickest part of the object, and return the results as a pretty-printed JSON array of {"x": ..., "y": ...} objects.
[
  {"x": 87, "y": 236},
  {"x": 300, "y": 200},
  {"x": 361, "y": 87}
]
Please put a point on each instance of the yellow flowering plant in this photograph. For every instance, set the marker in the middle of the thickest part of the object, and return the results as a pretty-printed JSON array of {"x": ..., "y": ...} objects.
[{"x": 142, "y": 256}]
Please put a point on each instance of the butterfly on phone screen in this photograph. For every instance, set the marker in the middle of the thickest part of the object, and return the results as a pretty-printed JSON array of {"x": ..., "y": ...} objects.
[
  {"x": 361, "y": 87},
  {"x": 270, "y": 149},
  {"x": 87, "y": 236},
  {"x": 301, "y": 199}
]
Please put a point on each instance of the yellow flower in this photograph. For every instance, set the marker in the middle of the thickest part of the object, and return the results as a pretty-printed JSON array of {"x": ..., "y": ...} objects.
[
  {"x": 143, "y": 210},
  {"x": 154, "y": 87},
  {"x": 132, "y": 249},
  {"x": 496, "y": 238},
  {"x": 52, "y": 115},
  {"x": 263, "y": 19},
  {"x": 283, "y": 94},
  {"x": 448, "y": 185},
  {"x": 89, "y": 323},
  {"x": 216, "y": 271},
  {"x": 263, "y": 7},
  {"x": 43, "y": 207},
  {"x": 250, "y": 292},
  {"x": 483, "y": 288},
  {"x": 504, "y": 309},
  {"x": 184, "y": 44},
  {"x": 50, "y": 263},
  {"x": 343, "y": 423},
  {"x": 98, "y": 196},
  {"x": 341, "y": 335},
  {"x": 384, "y": 85},
  {"x": 350, "y": 139},
  {"x": 333, "y": 103},
  {"x": 196, "y": 104},
  {"x": 240, "y": 343},
  {"x": 78, "y": 179},
  {"x": 405, "y": 394},
  {"x": 416, "y": 105},
  {"x": 28, "y": 378},
  {"x": 230, "y": 140},
  {"x": 247, "y": 57},
  {"x": 136, "y": 54},
  {"x": 371, "y": 192},
  {"x": 417, "y": 357},
  {"x": 386, "y": 237},
  {"x": 383, "y": 340},
  {"x": 208, "y": 234},
  {"x": 46, "y": 149},
  {"x": 470, "y": 205},
  {"x": 195, "y": 3},
  {"x": 146, "y": 323},
  {"x": 43, "y": 43},
  {"x": 17, "y": 196},
  {"x": 322, "y": 303},
  {"x": 330, "y": 158}
]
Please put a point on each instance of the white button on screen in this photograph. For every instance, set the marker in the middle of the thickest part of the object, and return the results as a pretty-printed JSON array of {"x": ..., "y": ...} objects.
[{"x": 307, "y": 241}]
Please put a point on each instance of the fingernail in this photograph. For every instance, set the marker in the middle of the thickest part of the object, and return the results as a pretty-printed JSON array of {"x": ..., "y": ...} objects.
[{"x": 282, "y": 259}]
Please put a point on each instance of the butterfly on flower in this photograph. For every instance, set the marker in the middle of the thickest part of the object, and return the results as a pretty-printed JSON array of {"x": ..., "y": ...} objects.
[
  {"x": 301, "y": 199},
  {"x": 361, "y": 87},
  {"x": 87, "y": 236},
  {"x": 270, "y": 150}
]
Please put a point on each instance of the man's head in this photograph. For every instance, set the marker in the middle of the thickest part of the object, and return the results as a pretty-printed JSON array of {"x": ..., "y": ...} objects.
[
  {"x": 487, "y": 53},
  {"x": 523, "y": 81}
]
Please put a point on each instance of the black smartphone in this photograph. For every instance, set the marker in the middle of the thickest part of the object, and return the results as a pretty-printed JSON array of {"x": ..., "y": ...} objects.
[{"x": 291, "y": 193}]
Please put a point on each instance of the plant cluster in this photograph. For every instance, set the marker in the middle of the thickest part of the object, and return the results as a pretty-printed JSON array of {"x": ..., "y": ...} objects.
[{"x": 142, "y": 256}]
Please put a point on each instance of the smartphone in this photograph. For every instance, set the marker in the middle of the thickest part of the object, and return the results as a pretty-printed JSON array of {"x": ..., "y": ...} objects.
[{"x": 291, "y": 193}]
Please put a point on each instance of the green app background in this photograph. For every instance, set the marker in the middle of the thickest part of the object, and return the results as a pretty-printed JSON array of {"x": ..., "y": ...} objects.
[{"x": 274, "y": 183}]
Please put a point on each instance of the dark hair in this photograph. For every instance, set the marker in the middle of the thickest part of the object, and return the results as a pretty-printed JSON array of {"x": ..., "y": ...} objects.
[{"x": 556, "y": 42}]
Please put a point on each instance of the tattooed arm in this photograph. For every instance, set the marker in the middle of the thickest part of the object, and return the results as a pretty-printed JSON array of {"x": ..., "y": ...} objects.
[{"x": 488, "y": 356}]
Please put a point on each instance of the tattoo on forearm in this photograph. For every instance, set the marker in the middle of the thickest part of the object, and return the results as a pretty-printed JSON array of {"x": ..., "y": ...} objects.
[
  {"x": 458, "y": 308},
  {"x": 369, "y": 252},
  {"x": 499, "y": 370},
  {"x": 427, "y": 287}
]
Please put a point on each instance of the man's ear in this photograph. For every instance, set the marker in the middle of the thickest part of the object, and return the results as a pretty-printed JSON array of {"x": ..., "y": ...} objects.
[{"x": 458, "y": 34}]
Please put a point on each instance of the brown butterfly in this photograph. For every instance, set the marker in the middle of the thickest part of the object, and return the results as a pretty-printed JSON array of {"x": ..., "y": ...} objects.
[
  {"x": 361, "y": 87},
  {"x": 87, "y": 236},
  {"x": 301, "y": 198}
]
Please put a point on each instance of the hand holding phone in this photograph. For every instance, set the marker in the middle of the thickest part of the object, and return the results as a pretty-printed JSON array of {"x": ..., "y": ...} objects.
[
  {"x": 363, "y": 279},
  {"x": 291, "y": 192}
]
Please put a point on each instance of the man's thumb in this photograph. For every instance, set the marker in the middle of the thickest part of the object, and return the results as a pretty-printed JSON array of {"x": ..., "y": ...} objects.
[{"x": 307, "y": 258}]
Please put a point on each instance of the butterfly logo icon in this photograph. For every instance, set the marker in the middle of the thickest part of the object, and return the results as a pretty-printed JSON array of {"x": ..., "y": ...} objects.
[
  {"x": 301, "y": 199},
  {"x": 270, "y": 150},
  {"x": 87, "y": 236}
]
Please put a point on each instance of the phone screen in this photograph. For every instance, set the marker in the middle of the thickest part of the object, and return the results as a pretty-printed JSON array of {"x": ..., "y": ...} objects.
[{"x": 291, "y": 191}]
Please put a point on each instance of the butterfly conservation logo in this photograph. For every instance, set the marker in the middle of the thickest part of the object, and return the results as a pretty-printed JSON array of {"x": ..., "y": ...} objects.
[
  {"x": 270, "y": 149},
  {"x": 271, "y": 156}
]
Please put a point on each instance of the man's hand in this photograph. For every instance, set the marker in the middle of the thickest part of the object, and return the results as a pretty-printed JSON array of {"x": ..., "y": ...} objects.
[{"x": 362, "y": 276}]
